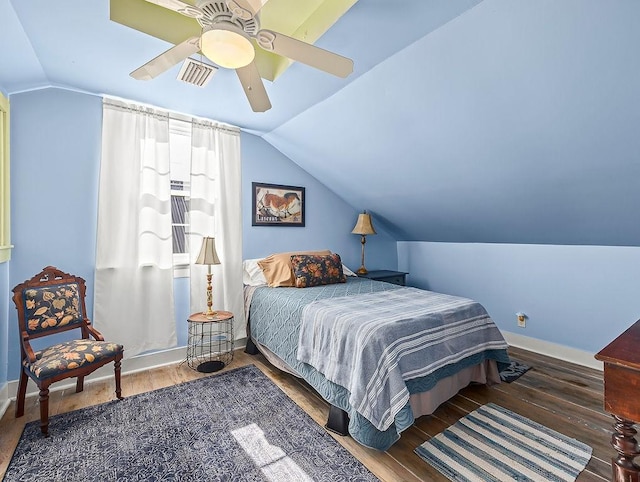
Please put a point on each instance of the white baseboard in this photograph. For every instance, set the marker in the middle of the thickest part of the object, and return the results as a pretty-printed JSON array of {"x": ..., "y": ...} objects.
[
  {"x": 176, "y": 355},
  {"x": 571, "y": 355},
  {"x": 129, "y": 365},
  {"x": 4, "y": 399}
]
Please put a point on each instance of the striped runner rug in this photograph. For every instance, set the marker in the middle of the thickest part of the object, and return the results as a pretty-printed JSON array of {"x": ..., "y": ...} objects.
[{"x": 495, "y": 444}]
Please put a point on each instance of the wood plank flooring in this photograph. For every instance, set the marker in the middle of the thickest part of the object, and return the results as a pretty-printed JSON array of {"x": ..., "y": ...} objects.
[{"x": 559, "y": 395}]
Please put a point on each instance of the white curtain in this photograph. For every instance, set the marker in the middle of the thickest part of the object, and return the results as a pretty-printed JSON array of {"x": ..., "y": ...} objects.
[
  {"x": 133, "y": 300},
  {"x": 216, "y": 210}
]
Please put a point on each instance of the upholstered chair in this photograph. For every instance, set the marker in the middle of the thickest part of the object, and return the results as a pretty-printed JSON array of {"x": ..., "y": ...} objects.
[{"x": 52, "y": 302}]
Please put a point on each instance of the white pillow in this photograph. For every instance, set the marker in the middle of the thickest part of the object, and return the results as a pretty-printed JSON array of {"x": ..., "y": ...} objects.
[
  {"x": 252, "y": 274},
  {"x": 347, "y": 271}
]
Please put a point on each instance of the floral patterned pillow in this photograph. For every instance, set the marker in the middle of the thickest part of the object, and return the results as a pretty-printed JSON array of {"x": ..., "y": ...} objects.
[
  {"x": 52, "y": 307},
  {"x": 315, "y": 270}
]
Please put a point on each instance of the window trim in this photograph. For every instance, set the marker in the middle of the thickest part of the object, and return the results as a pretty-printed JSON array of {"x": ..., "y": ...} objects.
[
  {"x": 181, "y": 261},
  {"x": 5, "y": 195},
  {"x": 181, "y": 270}
]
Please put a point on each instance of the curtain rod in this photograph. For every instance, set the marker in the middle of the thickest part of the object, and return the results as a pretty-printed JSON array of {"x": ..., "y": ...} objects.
[{"x": 162, "y": 113}]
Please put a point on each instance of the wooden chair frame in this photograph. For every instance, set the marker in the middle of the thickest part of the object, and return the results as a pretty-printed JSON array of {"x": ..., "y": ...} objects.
[{"x": 47, "y": 277}]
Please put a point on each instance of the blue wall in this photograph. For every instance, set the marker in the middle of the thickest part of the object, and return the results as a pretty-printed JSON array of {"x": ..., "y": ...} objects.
[
  {"x": 55, "y": 153},
  {"x": 328, "y": 219},
  {"x": 55, "y": 159},
  {"x": 577, "y": 296}
]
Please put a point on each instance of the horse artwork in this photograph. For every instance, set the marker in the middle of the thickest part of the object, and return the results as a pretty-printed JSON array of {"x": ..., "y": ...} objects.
[{"x": 277, "y": 205}]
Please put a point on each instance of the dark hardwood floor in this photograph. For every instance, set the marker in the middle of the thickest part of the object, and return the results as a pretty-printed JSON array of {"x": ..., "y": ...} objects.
[{"x": 559, "y": 395}]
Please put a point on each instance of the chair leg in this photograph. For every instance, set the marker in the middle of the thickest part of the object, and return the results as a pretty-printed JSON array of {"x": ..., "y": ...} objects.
[
  {"x": 80, "y": 384},
  {"x": 44, "y": 410},
  {"x": 22, "y": 391},
  {"x": 117, "y": 373}
]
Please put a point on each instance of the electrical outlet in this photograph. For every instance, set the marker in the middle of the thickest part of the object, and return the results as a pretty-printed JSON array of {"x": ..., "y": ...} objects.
[{"x": 522, "y": 319}]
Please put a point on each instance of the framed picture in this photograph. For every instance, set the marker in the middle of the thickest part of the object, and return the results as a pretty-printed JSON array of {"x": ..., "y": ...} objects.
[{"x": 277, "y": 205}]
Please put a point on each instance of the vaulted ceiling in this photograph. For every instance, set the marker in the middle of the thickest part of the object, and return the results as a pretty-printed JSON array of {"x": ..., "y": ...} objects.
[{"x": 511, "y": 121}]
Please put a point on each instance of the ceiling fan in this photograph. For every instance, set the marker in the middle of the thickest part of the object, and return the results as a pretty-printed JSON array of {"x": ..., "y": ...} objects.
[{"x": 228, "y": 26}]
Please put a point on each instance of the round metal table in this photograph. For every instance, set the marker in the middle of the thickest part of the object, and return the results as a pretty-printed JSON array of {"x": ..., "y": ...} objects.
[{"x": 210, "y": 341}]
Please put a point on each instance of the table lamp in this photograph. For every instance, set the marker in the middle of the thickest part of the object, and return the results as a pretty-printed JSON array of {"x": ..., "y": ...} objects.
[
  {"x": 363, "y": 227},
  {"x": 209, "y": 257}
]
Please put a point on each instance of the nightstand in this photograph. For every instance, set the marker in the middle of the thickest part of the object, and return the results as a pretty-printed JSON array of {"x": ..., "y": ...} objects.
[
  {"x": 210, "y": 341},
  {"x": 393, "y": 277}
]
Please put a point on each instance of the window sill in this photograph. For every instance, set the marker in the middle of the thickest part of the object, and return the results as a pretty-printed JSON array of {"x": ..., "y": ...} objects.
[{"x": 181, "y": 271}]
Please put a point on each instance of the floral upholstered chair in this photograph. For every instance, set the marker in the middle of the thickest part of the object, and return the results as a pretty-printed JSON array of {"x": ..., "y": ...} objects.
[{"x": 53, "y": 302}]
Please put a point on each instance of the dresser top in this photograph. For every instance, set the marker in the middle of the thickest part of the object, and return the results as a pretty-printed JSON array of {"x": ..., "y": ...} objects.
[{"x": 624, "y": 349}]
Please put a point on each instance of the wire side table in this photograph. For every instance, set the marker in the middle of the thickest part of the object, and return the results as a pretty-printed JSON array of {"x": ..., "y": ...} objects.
[{"x": 210, "y": 341}]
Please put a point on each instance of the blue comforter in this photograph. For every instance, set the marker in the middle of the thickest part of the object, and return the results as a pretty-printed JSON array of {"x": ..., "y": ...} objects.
[{"x": 275, "y": 321}]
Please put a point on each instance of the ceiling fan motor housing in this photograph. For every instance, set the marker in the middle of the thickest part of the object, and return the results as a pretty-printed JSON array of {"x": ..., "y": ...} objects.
[{"x": 216, "y": 12}]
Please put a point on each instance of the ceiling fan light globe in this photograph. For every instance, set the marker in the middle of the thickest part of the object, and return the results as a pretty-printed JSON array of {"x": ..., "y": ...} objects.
[{"x": 228, "y": 47}]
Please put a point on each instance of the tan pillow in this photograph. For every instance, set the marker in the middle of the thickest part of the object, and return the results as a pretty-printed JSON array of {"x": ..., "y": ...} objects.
[{"x": 277, "y": 268}]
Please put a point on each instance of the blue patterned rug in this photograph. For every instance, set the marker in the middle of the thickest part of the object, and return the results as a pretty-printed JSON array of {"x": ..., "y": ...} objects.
[
  {"x": 235, "y": 426},
  {"x": 495, "y": 444}
]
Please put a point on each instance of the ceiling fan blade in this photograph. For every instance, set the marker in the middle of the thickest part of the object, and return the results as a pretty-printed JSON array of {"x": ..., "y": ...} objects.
[
  {"x": 180, "y": 7},
  {"x": 245, "y": 9},
  {"x": 166, "y": 60},
  {"x": 303, "y": 52},
  {"x": 254, "y": 88}
]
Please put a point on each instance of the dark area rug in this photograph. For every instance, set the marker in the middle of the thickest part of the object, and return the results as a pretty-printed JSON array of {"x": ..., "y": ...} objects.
[
  {"x": 235, "y": 426},
  {"x": 514, "y": 371}
]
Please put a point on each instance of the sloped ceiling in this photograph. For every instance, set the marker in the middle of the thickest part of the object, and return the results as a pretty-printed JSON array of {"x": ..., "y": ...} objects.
[
  {"x": 516, "y": 122},
  {"x": 464, "y": 121}
]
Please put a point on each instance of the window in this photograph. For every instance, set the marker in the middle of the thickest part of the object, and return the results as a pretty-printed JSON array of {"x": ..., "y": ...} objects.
[
  {"x": 5, "y": 238},
  {"x": 180, "y": 217},
  {"x": 180, "y": 155}
]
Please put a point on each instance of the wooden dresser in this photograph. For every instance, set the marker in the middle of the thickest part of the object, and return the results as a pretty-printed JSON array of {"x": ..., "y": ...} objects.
[{"x": 621, "y": 360}]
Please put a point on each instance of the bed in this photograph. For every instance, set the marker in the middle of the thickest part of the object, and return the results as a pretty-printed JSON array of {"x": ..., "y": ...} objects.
[{"x": 380, "y": 354}]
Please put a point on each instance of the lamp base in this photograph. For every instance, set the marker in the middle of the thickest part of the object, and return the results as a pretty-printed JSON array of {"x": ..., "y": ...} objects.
[
  {"x": 210, "y": 314},
  {"x": 210, "y": 366},
  {"x": 362, "y": 270}
]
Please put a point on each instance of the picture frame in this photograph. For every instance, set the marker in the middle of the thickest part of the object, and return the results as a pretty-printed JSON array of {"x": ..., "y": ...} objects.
[{"x": 277, "y": 205}]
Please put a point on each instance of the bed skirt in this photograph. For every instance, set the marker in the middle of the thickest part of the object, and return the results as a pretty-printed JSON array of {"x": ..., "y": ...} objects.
[{"x": 423, "y": 403}]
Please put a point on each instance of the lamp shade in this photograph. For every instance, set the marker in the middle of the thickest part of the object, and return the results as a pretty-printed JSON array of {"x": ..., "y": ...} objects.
[
  {"x": 208, "y": 253},
  {"x": 363, "y": 225},
  {"x": 228, "y": 46}
]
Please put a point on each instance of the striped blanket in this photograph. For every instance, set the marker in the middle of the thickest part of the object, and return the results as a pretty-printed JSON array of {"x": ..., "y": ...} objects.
[{"x": 371, "y": 344}]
